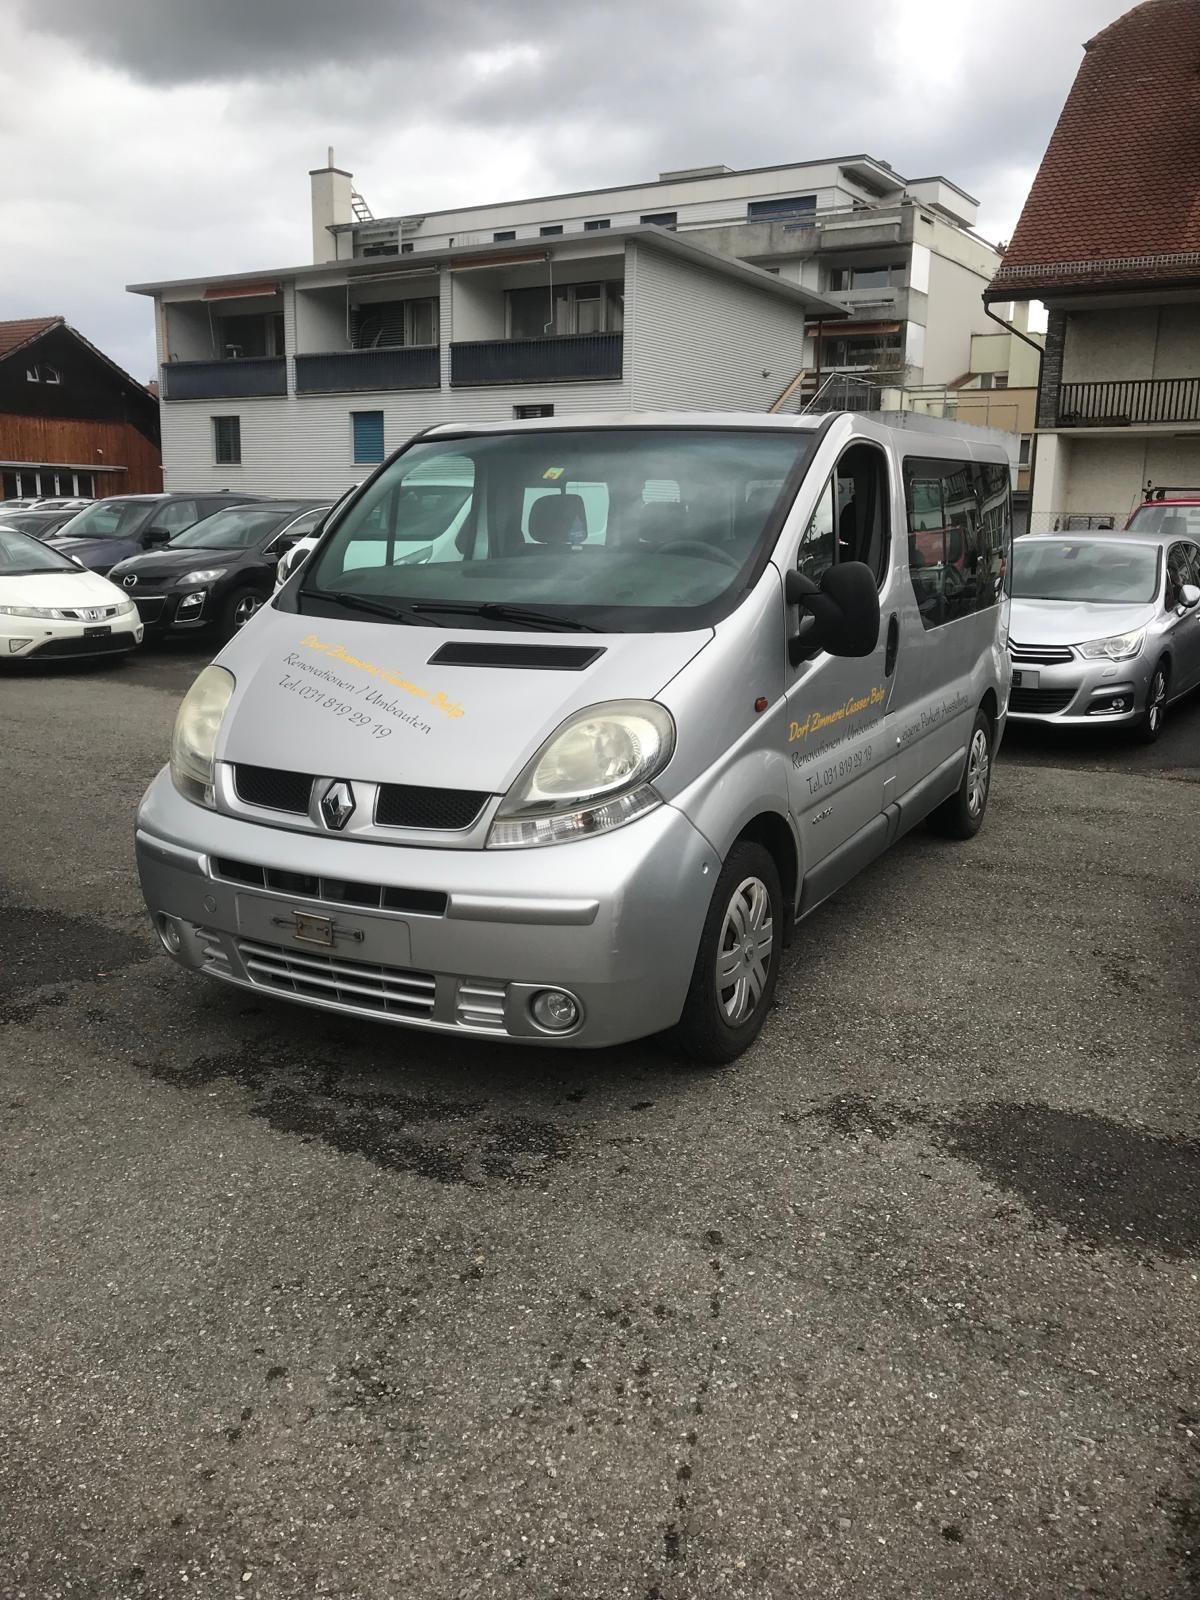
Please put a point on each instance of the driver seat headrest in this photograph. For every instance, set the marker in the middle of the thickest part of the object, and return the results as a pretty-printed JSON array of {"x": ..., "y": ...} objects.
[
  {"x": 661, "y": 521},
  {"x": 555, "y": 517}
]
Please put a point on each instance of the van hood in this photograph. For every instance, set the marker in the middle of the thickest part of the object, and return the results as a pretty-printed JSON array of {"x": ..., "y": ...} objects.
[
  {"x": 354, "y": 699},
  {"x": 1073, "y": 621}
]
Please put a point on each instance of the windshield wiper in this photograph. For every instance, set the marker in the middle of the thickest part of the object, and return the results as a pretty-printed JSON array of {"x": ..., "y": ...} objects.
[
  {"x": 501, "y": 612},
  {"x": 360, "y": 602}
]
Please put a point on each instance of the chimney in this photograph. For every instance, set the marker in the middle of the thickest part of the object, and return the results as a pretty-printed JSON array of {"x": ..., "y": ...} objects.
[
  {"x": 1020, "y": 315},
  {"x": 331, "y": 190}
]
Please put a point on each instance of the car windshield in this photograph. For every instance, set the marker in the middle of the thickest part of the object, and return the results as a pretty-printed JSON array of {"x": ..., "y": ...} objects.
[
  {"x": 1099, "y": 570},
  {"x": 22, "y": 556},
  {"x": 236, "y": 528},
  {"x": 1176, "y": 521},
  {"x": 109, "y": 519},
  {"x": 624, "y": 529}
]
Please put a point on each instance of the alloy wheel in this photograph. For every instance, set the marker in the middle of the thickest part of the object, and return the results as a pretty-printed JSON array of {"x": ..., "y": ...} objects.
[
  {"x": 979, "y": 766},
  {"x": 1158, "y": 700},
  {"x": 245, "y": 609},
  {"x": 744, "y": 950}
]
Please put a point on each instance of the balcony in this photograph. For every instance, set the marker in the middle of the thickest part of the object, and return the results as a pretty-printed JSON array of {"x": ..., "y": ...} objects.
[
  {"x": 351, "y": 371},
  {"x": 1128, "y": 403},
  {"x": 244, "y": 378},
  {"x": 569, "y": 358}
]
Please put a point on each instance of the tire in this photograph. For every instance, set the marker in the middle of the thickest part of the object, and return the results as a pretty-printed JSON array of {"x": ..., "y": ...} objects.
[
  {"x": 719, "y": 1023},
  {"x": 239, "y": 607},
  {"x": 1150, "y": 724},
  {"x": 961, "y": 817}
]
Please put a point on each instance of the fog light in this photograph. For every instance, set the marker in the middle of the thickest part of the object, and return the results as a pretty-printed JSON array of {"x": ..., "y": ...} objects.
[
  {"x": 168, "y": 932},
  {"x": 554, "y": 1009},
  {"x": 193, "y": 601},
  {"x": 17, "y": 644}
]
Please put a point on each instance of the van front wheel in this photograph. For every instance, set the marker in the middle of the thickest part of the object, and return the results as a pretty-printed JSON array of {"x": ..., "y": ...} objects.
[
  {"x": 961, "y": 817},
  {"x": 737, "y": 964}
]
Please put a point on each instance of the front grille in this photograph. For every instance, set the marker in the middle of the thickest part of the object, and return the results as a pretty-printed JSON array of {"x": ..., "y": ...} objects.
[
  {"x": 339, "y": 891},
  {"x": 404, "y": 805},
  {"x": 1045, "y": 655},
  {"x": 150, "y": 606},
  {"x": 111, "y": 644},
  {"x": 391, "y": 991},
  {"x": 273, "y": 788},
  {"x": 1044, "y": 701},
  {"x": 480, "y": 1004},
  {"x": 104, "y": 613}
]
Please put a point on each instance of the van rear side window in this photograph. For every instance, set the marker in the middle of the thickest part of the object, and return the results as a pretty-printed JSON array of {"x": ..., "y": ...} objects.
[{"x": 959, "y": 536}]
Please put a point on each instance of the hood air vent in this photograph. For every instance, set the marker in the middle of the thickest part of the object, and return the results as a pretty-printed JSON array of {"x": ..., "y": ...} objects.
[{"x": 534, "y": 657}]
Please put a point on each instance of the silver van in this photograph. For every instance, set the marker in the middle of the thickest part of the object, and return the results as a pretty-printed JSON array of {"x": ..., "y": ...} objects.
[{"x": 566, "y": 764}]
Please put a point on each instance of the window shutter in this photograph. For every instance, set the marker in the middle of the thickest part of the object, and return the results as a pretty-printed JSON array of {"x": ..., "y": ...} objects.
[{"x": 368, "y": 435}]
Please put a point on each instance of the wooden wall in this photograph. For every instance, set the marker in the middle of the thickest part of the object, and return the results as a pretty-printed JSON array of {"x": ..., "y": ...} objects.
[{"x": 47, "y": 441}]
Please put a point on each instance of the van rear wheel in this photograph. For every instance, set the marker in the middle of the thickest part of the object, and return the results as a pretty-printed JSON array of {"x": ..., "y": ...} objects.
[
  {"x": 961, "y": 817},
  {"x": 737, "y": 964}
]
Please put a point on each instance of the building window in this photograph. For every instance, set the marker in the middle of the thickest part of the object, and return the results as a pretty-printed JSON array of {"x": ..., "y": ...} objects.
[
  {"x": 661, "y": 219},
  {"x": 368, "y": 437},
  {"x": 889, "y": 277},
  {"x": 527, "y": 413},
  {"x": 227, "y": 441},
  {"x": 43, "y": 373},
  {"x": 597, "y": 225},
  {"x": 406, "y": 249},
  {"x": 551, "y": 230},
  {"x": 795, "y": 208},
  {"x": 574, "y": 308},
  {"x": 882, "y": 351},
  {"x": 1023, "y": 452},
  {"x": 505, "y": 236},
  {"x": 388, "y": 324}
]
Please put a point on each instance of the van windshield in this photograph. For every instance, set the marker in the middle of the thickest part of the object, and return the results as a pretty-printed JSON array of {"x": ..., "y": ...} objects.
[{"x": 619, "y": 529}]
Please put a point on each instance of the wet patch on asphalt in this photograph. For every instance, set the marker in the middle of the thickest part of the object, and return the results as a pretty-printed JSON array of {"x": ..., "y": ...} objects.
[
  {"x": 40, "y": 948},
  {"x": 1106, "y": 1183},
  {"x": 315, "y": 1097}
]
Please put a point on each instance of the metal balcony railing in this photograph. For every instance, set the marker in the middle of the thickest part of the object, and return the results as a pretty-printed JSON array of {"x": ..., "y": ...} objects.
[
  {"x": 346, "y": 371},
  {"x": 1124, "y": 403},
  {"x": 564, "y": 359},
  {"x": 248, "y": 376}
]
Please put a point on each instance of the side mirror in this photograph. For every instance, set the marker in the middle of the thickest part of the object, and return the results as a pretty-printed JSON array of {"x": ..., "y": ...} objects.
[
  {"x": 156, "y": 536},
  {"x": 290, "y": 561},
  {"x": 278, "y": 548},
  {"x": 1189, "y": 596},
  {"x": 839, "y": 615}
]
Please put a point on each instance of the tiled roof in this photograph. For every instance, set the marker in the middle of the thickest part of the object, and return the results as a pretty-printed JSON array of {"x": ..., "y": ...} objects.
[
  {"x": 14, "y": 334},
  {"x": 1116, "y": 200}
]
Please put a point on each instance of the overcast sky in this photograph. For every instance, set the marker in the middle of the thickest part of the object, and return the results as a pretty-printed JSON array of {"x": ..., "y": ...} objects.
[{"x": 144, "y": 139}]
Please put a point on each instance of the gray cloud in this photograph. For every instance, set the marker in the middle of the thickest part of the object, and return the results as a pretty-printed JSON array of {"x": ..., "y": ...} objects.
[{"x": 148, "y": 138}]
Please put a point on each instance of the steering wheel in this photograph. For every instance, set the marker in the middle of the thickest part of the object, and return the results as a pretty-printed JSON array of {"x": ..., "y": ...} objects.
[{"x": 695, "y": 547}]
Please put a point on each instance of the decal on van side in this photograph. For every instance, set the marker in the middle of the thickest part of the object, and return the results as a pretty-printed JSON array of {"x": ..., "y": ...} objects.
[{"x": 854, "y": 707}]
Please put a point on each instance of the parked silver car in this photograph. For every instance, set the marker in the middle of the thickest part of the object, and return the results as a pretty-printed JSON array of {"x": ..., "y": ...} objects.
[{"x": 1105, "y": 628}]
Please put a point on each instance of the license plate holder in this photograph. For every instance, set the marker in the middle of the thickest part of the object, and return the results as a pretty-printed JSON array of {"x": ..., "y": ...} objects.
[
  {"x": 308, "y": 928},
  {"x": 1024, "y": 678},
  {"x": 97, "y": 633},
  {"x": 325, "y": 930}
]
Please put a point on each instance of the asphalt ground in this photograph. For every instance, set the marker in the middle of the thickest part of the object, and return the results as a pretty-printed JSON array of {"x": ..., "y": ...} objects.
[{"x": 904, "y": 1304}]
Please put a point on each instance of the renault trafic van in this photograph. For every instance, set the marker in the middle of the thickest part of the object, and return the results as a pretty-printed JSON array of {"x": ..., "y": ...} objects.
[{"x": 567, "y": 770}]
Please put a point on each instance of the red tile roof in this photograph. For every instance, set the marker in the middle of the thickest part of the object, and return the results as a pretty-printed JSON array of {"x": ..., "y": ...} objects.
[
  {"x": 14, "y": 334},
  {"x": 1116, "y": 200}
]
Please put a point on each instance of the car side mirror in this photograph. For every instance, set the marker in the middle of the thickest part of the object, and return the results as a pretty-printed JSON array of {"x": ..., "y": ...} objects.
[
  {"x": 1189, "y": 596},
  {"x": 278, "y": 548},
  {"x": 156, "y": 536},
  {"x": 839, "y": 615},
  {"x": 290, "y": 561}
]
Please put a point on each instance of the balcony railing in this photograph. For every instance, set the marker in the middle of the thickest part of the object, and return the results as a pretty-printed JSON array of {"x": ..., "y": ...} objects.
[
  {"x": 344, "y": 371},
  {"x": 1124, "y": 403},
  {"x": 248, "y": 376},
  {"x": 565, "y": 359}
]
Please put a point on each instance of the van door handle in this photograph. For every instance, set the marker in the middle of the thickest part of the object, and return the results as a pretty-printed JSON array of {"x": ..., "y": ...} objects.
[{"x": 893, "y": 645}]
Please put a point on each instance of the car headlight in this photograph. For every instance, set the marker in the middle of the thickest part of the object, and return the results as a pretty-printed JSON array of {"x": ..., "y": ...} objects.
[
  {"x": 195, "y": 736},
  {"x": 203, "y": 575},
  {"x": 1118, "y": 647},
  {"x": 592, "y": 775},
  {"x": 125, "y": 608},
  {"x": 31, "y": 611}
]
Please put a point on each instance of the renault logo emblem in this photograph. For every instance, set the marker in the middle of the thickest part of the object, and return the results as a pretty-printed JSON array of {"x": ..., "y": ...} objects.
[
  {"x": 337, "y": 804},
  {"x": 129, "y": 580}
]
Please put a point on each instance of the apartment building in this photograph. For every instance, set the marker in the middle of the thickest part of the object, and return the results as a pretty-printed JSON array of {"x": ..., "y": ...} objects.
[
  {"x": 300, "y": 380},
  {"x": 1109, "y": 240}
]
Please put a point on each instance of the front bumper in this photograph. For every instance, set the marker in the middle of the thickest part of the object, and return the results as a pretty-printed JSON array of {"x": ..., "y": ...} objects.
[
  {"x": 613, "y": 920},
  {"x": 1080, "y": 693},
  {"x": 47, "y": 639}
]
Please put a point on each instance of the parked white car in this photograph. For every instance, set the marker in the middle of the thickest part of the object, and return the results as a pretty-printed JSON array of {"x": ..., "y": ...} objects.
[{"x": 52, "y": 608}]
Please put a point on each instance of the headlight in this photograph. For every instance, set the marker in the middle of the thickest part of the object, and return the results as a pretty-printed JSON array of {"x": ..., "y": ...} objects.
[
  {"x": 1120, "y": 647},
  {"x": 195, "y": 735},
  {"x": 203, "y": 575},
  {"x": 31, "y": 611},
  {"x": 592, "y": 775},
  {"x": 124, "y": 609}
]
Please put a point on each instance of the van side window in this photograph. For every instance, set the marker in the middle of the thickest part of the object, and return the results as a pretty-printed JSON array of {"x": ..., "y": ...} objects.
[
  {"x": 945, "y": 540},
  {"x": 993, "y": 484},
  {"x": 850, "y": 522}
]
